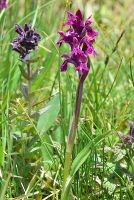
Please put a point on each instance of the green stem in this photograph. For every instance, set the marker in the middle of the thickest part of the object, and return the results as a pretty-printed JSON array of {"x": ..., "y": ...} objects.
[
  {"x": 72, "y": 134},
  {"x": 29, "y": 89}
]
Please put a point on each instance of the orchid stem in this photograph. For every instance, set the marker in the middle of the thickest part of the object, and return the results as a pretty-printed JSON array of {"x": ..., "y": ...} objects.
[
  {"x": 72, "y": 133},
  {"x": 29, "y": 89}
]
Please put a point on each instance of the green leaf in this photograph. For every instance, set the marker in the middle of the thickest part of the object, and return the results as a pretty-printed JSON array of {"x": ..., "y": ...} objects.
[
  {"x": 110, "y": 187},
  {"x": 58, "y": 136},
  {"x": 79, "y": 160},
  {"x": 49, "y": 115},
  {"x": 47, "y": 151},
  {"x": 1, "y": 154},
  {"x": 46, "y": 120},
  {"x": 84, "y": 154}
]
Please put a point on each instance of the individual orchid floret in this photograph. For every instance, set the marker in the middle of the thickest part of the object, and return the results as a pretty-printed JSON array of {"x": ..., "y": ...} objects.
[
  {"x": 3, "y": 4},
  {"x": 26, "y": 42},
  {"x": 80, "y": 36},
  {"x": 78, "y": 58}
]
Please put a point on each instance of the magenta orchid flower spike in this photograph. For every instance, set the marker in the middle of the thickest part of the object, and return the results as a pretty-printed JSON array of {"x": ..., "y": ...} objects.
[{"x": 80, "y": 36}]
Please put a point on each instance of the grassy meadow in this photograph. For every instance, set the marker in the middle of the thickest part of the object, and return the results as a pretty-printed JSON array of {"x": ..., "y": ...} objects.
[{"x": 32, "y": 146}]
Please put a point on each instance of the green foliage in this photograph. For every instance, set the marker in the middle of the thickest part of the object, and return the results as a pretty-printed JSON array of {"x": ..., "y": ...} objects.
[
  {"x": 48, "y": 115},
  {"x": 32, "y": 148}
]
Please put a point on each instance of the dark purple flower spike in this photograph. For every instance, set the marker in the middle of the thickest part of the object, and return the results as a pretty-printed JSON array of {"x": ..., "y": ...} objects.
[
  {"x": 26, "y": 42},
  {"x": 80, "y": 36},
  {"x": 3, "y": 4}
]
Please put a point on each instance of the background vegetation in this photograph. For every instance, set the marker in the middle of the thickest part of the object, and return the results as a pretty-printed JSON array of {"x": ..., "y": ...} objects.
[{"x": 32, "y": 147}]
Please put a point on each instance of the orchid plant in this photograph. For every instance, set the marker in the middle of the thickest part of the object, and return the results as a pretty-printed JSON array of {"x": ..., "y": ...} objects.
[
  {"x": 80, "y": 36},
  {"x": 24, "y": 44}
]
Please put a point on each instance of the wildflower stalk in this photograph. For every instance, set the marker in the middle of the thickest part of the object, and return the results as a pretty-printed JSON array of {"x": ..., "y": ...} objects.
[
  {"x": 24, "y": 44},
  {"x": 80, "y": 36},
  {"x": 72, "y": 134},
  {"x": 29, "y": 88}
]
